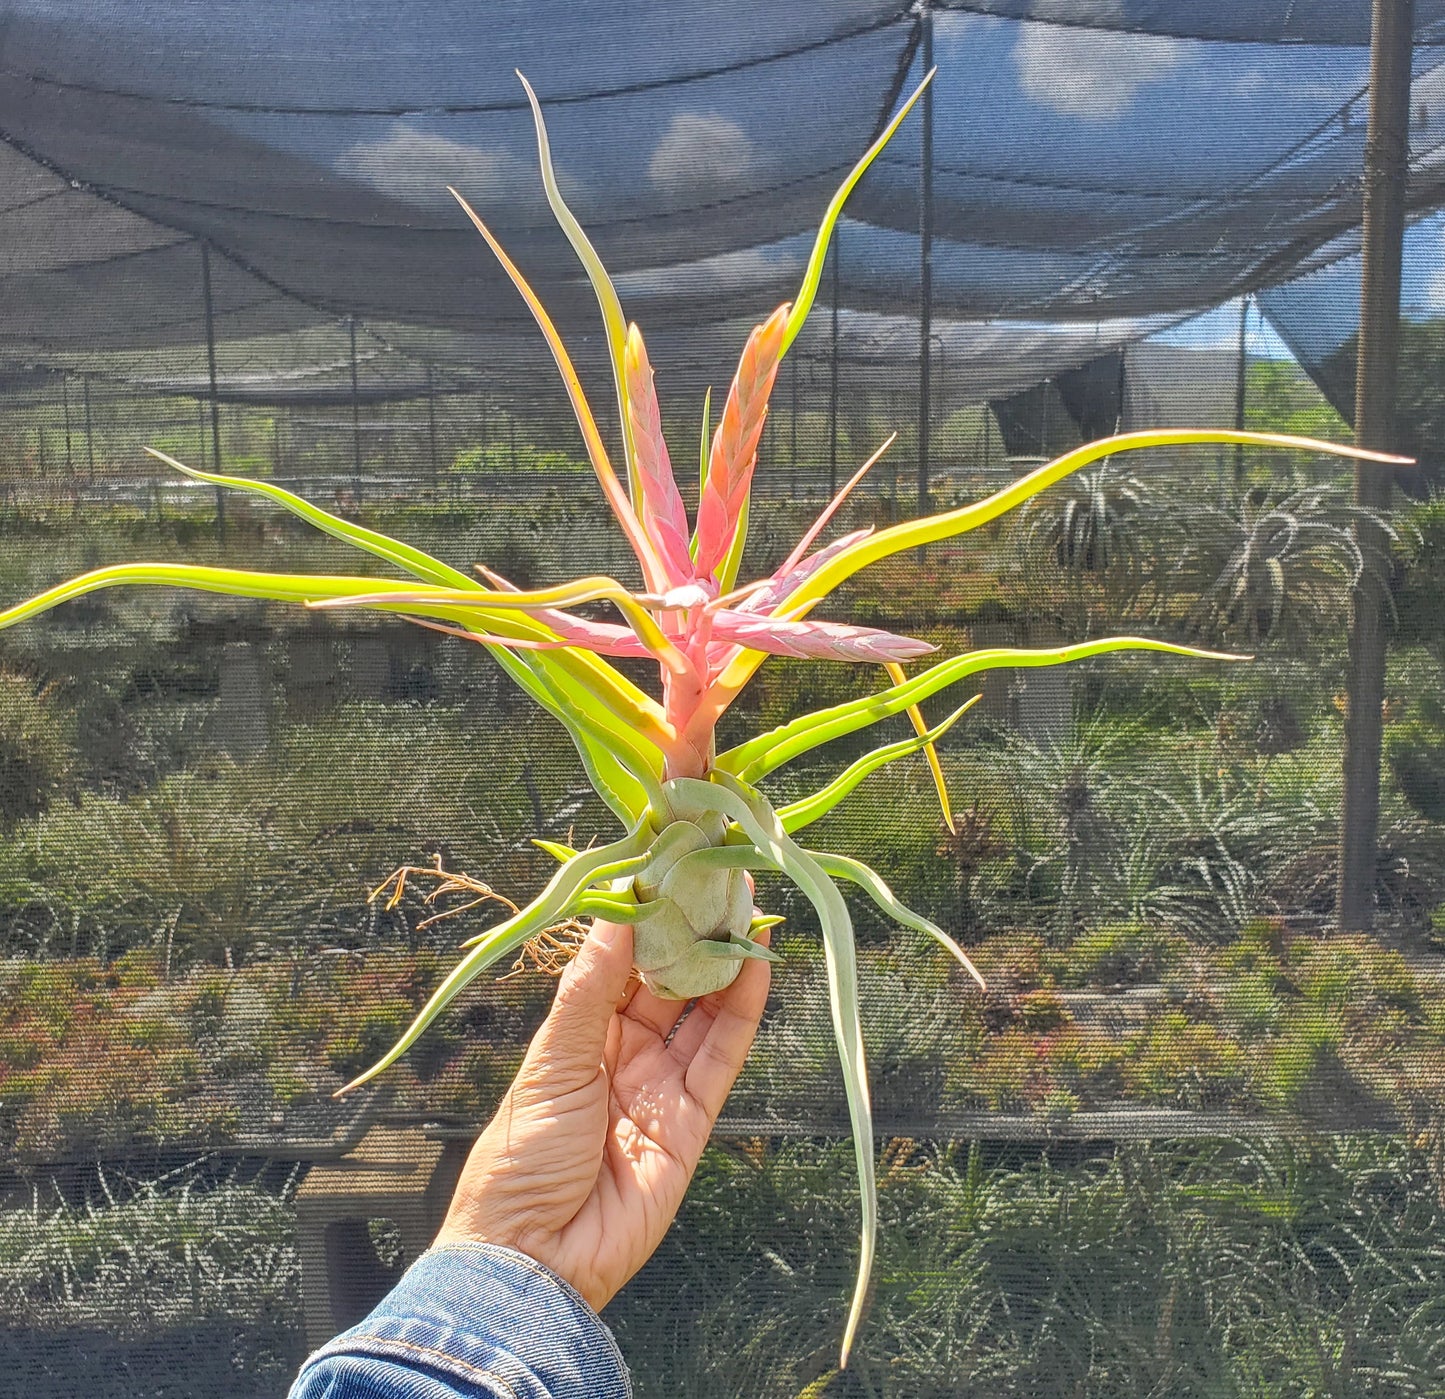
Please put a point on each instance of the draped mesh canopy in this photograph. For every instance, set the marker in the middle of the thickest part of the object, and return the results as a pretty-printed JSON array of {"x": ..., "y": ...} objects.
[{"x": 310, "y": 147}]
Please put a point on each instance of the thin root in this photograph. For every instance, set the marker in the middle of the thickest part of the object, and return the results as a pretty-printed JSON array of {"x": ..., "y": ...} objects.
[
  {"x": 548, "y": 953},
  {"x": 447, "y": 883}
]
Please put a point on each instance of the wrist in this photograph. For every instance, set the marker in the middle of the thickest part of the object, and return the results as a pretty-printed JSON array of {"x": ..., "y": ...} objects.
[{"x": 483, "y": 1313}]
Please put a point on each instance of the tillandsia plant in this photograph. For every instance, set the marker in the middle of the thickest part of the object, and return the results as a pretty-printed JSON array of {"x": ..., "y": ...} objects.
[{"x": 696, "y": 819}]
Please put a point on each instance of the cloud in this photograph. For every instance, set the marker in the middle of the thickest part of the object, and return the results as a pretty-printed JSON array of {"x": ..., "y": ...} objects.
[
  {"x": 701, "y": 152},
  {"x": 1091, "y": 74},
  {"x": 416, "y": 166}
]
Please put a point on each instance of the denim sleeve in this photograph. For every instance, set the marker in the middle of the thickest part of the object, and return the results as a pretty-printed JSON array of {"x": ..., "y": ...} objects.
[{"x": 472, "y": 1321}]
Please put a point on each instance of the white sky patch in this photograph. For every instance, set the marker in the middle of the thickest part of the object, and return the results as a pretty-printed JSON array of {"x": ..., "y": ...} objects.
[
  {"x": 416, "y": 167},
  {"x": 1434, "y": 298},
  {"x": 1218, "y": 329},
  {"x": 701, "y": 152},
  {"x": 1092, "y": 74}
]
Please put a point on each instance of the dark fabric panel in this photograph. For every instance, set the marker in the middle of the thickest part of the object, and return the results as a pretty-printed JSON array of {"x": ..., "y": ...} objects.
[
  {"x": 1097, "y": 162},
  {"x": 1267, "y": 21},
  {"x": 1093, "y": 394}
]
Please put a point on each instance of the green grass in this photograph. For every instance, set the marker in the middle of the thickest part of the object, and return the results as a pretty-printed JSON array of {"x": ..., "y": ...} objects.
[
  {"x": 175, "y": 1288},
  {"x": 1309, "y": 1268}
]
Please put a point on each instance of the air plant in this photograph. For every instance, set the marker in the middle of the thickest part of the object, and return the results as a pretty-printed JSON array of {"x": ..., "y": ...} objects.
[
  {"x": 696, "y": 820},
  {"x": 1268, "y": 568},
  {"x": 1106, "y": 532}
]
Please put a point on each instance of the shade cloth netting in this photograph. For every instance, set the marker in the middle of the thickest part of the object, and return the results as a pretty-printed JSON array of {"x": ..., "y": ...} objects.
[{"x": 1093, "y": 162}]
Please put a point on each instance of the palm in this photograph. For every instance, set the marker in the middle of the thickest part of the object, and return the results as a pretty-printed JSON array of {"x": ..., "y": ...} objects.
[{"x": 588, "y": 1159}]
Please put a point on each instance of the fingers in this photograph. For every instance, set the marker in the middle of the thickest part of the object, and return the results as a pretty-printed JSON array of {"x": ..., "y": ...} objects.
[
  {"x": 714, "y": 1040},
  {"x": 575, "y": 1030}
]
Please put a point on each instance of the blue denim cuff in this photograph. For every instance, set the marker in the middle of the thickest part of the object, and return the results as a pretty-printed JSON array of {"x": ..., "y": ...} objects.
[{"x": 482, "y": 1321}]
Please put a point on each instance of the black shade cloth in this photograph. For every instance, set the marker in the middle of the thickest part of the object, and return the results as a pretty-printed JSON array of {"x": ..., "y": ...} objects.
[{"x": 1091, "y": 162}]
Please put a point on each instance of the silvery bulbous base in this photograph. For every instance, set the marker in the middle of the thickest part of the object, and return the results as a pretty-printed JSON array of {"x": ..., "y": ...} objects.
[{"x": 679, "y": 949}]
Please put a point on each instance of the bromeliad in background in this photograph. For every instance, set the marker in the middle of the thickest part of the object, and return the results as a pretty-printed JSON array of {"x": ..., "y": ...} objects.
[{"x": 696, "y": 820}]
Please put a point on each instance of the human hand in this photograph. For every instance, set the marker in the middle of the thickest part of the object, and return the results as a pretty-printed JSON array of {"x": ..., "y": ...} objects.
[{"x": 587, "y": 1160}]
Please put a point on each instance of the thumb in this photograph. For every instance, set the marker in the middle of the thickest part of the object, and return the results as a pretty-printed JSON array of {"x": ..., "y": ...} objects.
[{"x": 575, "y": 1030}]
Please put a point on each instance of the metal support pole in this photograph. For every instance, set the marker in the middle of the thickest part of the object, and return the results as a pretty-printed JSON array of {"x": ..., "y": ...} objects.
[
  {"x": 89, "y": 433},
  {"x": 431, "y": 423},
  {"x": 793, "y": 415},
  {"x": 833, "y": 381},
  {"x": 1386, "y": 158},
  {"x": 925, "y": 261},
  {"x": 65, "y": 400},
  {"x": 210, "y": 316},
  {"x": 355, "y": 415},
  {"x": 935, "y": 340},
  {"x": 1241, "y": 370}
]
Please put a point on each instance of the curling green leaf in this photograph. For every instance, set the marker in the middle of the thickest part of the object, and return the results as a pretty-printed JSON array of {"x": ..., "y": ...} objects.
[
  {"x": 393, "y": 551},
  {"x": 856, "y": 872},
  {"x": 236, "y": 582},
  {"x": 760, "y": 822},
  {"x": 616, "y": 908},
  {"x": 759, "y": 756},
  {"x": 599, "y": 763},
  {"x": 933, "y": 528},
  {"x": 612, "y": 318},
  {"x": 814, "y": 273},
  {"x": 716, "y": 857},
  {"x": 796, "y": 815},
  {"x": 607, "y": 862}
]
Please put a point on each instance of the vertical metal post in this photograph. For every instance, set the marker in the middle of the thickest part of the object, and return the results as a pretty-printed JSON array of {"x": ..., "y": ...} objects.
[
  {"x": 1386, "y": 155},
  {"x": 793, "y": 415},
  {"x": 833, "y": 380},
  {"x": 210, "y": 316},
  {"x": 89, "y": 433},
  {"x": 65, "y": 400},
  {"x": 925, "y": 261},
  {"x": 431, "y": 423},
  {"x": 355, "y": 415},
  {"x": 936, "y": 341},
  {"x": 1241, "y": 370}
]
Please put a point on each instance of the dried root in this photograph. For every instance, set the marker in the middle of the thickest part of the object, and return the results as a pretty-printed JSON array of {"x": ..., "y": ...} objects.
[
  {"x": 547, "y": 953},
  {"x": 447, "y": 883},
  {"x": 550, "y": 951}
]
